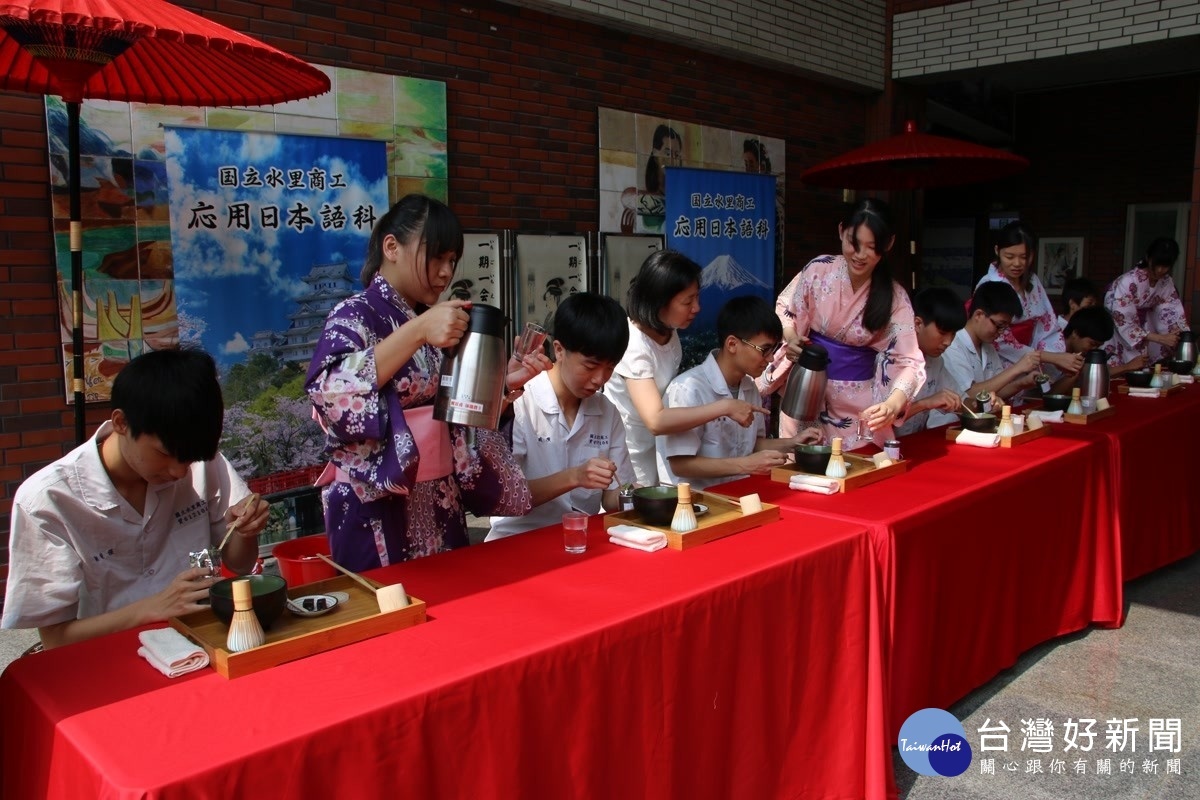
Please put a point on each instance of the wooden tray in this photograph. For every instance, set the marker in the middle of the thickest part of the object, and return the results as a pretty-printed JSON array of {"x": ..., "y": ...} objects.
[
  {"x": 1084, "y": 419},
  {"x": 860, "y": 471},
  {"x": 1024, "y": 437},
  {"x": 292, "y": 637},
  {"x": 1176, "y": 389},
  {"x": 724, "y": 518}
]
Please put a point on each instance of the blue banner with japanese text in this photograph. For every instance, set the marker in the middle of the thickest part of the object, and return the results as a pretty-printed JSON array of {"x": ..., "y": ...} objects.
[
  {"x": 268, "y": 232},
  {"x": 725, "y": 222}
]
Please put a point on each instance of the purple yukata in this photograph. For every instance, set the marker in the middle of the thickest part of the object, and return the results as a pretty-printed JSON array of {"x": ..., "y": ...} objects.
[{"x": 376, "y": 513}]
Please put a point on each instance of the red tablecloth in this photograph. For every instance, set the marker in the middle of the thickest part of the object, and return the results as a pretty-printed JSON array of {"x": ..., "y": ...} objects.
[
  {"x": 1153, "y": 443},
  {"x": 748, "y": 667},
  {"x": 984, "y": 554}
]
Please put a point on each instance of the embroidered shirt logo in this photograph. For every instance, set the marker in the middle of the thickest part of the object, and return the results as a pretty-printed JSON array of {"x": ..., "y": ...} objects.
[{"x": 196, "y": 510}]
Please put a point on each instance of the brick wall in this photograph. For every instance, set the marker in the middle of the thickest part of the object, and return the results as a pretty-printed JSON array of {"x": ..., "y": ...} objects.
[
  {"x": 938, "y": 38},
  {"x": 834, "y": 39},
  {"x": 522, "y": 92}
]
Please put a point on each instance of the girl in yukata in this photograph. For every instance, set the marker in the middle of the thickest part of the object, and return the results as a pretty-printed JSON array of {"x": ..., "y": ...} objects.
[
  {"x": 399, "y": 482},
  {"x": 1145, "y": 307},
  {"x": 663, "y": 299},
  {"x": 850, "y": 305},
  {"x": 1037, "y": 328}
]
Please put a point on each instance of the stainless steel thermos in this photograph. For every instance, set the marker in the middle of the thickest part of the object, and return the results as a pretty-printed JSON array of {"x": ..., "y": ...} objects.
[
  {"x": 471, "y": 386},
  {"x": 804, "y": 394},
  {"x": 1093, "y": 378},
  {"x": 1186, "y": 349}
]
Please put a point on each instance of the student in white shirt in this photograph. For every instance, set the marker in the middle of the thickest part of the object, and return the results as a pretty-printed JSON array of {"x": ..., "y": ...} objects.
[
  {"x": 938, "y": 315},
  {"x": 972, "y": 361},
  {"x": 568, "y": 438},
  {"x": 100, "y": 538},
  {"x": 1088, "y": 330},
  {"x": 664, "y": 298},
  {"x": 749, "y": 333}
]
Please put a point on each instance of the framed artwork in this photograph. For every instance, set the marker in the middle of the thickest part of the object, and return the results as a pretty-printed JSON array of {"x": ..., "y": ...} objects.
[{"x": 1059, "y": 259}]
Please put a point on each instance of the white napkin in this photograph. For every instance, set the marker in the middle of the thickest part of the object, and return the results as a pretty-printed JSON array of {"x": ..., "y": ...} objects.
[
  {"x": 1046, "y": 416},
  {"x": 977, "y": 439},
  {"x": 813, "y": 483},
  {"x": 1138, "y": 391},
  {"x": 647, "y": 548},
  {"x": 636, "y": 535},
  {"x": 170, "y": 652},
  {"x": 1186, "y": 378}
]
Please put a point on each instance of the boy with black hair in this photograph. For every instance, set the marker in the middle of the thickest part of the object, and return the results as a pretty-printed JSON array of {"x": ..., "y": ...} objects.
[
  {"x": 568, "y": 438},
  {"x": 938, "y": 315},
  {"x": 1077, "y": 293},
  {"x": 972, "y": 361},
  {"x": 749, "y": 333},
  {"x": 1089, "y": 328},
  {"x": 100, "y": 538}
]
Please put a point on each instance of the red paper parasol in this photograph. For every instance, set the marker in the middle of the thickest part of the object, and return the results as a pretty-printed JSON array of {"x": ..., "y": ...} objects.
[
  {"x": 914, "y": 160},
  {"x": 145, "y": 51}
]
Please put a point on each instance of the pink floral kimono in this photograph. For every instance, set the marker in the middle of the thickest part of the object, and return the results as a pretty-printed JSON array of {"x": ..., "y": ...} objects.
[
  {"x": 865, "y": 367},
  {"x": 1138, "y": 308}
]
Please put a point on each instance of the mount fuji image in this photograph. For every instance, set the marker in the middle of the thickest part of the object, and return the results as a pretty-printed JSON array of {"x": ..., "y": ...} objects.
[{"x": 722, "y": 279}]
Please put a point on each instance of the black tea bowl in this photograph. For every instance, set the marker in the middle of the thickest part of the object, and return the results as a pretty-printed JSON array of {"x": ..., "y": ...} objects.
[
  {"x": 1139, "y": 378},
  {"x": 1180, "y": 366},
  {"x": 656, "y": 504},
  {"x": 813, "y": 458},
  {"x": 980, "y": 423},
  {"x": 269, "y": 596},
  {"x": 1056, "y": 402}
]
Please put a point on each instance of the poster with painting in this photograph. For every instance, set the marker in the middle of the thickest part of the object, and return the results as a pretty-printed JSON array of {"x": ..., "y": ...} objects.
[
  {"x": 548, "y": 268},
  {"x": 1059, "y": 259}
]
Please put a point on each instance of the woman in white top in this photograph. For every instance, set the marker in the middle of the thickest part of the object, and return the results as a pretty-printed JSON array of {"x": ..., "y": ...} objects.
[{"x": 663, "y": 299}]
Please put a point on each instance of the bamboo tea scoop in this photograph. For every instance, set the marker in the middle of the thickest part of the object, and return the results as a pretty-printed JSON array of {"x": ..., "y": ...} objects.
[{"x": 389, "y": 598}]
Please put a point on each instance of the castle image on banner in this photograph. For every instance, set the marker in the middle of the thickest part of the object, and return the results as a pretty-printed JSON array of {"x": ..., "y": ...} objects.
[{"x": 328, "y": 285}]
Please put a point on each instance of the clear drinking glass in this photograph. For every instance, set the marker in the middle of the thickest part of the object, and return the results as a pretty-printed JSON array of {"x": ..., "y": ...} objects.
[
  {"x": 574, "y": 525},
  {"x": 532, "y": 340}
]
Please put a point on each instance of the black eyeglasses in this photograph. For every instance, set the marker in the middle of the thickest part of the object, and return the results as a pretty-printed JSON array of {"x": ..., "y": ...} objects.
[
  {"x": 765, "y": 350},
  {"x": 1001, "y": 327}
]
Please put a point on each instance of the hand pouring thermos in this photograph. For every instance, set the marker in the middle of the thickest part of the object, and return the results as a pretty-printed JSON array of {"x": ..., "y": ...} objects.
[
  {"x": 471, "y": 387},
  {"x": 804, "y": 395},
  {"x": 1186, "y": 349},
  {"x": 1093, "y": 378}
]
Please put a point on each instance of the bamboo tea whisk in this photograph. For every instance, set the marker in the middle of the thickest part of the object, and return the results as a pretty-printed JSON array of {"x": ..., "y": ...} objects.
[
  {"x": 837, "y": 465},
  {"x": 685, "y": 516},
  {"x": 244, "y": 631}
]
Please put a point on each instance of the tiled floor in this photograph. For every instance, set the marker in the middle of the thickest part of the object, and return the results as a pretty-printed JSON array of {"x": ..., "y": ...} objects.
[{"x": 1148, "y": 669}]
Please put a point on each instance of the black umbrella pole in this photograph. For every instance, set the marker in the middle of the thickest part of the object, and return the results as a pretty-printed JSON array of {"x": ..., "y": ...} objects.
[{"x": 76, "y": 266}]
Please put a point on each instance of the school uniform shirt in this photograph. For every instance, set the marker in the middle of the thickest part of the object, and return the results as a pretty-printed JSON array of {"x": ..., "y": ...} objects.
[
  {"x": 936, "y": 380},
  {"x": 719, "y": 438},
  {"x": 543, "y": 444},
  {"x": 964, "y": 364},
  {"x": 644, "y": 358},
  {"x": 79, "y": 549}
]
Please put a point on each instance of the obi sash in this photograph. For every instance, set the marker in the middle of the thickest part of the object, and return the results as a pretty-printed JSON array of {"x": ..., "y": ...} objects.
[
  {"x": 847, "y": 362},
  {"x": 432, "y": 438},
  {"x": 1023, "y": 331}
]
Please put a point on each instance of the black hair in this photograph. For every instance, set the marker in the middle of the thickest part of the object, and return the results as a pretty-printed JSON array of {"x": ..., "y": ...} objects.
[
  {"x": 1013, "y": 234},
  {"x": 940, "y": 306},
  {"x": 664, "y": 274},
  {"x": 1091, "y": 323},
  {"x": 760, "y": 152},
  {"x": 413, "y": 216},
  {"x": 877, "y": 216},
  {"x": 592, "y": 325},
  {"x": 174, "y": 395},
  {"x": 1076, "y": 290},
  {"x": 996, "y": 297},
  {"x": 1162, "y": 252},
  {"x": 746, "y": 316},
  {"x": 661, "y": 134}
]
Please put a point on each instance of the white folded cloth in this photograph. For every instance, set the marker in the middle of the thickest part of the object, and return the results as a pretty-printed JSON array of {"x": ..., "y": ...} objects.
[
  {"x": 1046, "y": 416},
  {"x": 636, "y": 535},
  {"x": 170, "y": 652},
  {"x": 1186, "y": 378},
  {"x": 977, "y": 439},
  {"x": 1138, "y": 391},
  {"x": 813, "y": 483},
  {"x": 647, "y": 548}
]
